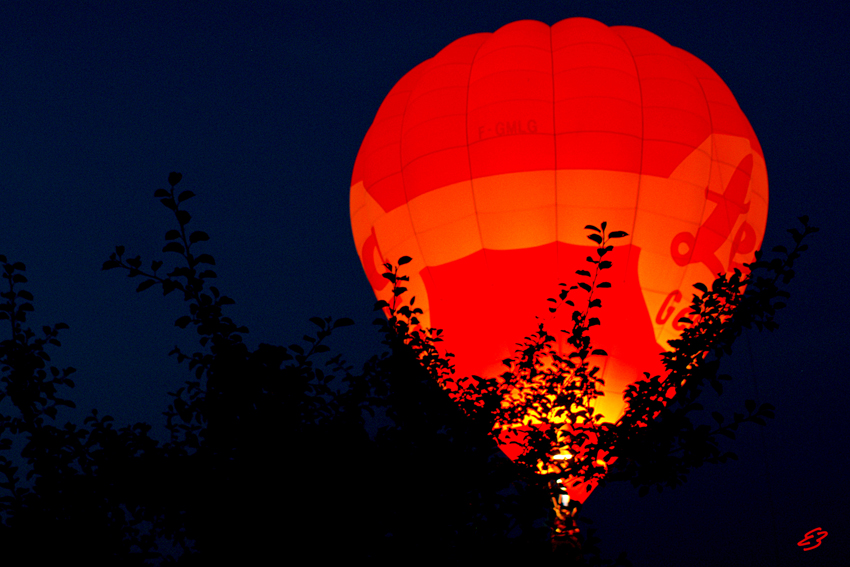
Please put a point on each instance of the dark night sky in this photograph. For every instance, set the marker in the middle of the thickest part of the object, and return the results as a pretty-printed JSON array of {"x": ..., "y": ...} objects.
[{"x": 262, "y": 107}]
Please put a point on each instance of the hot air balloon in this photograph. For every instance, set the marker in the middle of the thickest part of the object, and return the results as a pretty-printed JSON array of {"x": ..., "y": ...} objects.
[{"x": 485, "y": 163}]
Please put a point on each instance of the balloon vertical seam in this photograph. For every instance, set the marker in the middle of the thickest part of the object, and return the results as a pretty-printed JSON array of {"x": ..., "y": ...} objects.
[
  {"x": 555, "y": 148},
  {"x": 469, "y": 153},
  {"x": 642, "y": 144}
]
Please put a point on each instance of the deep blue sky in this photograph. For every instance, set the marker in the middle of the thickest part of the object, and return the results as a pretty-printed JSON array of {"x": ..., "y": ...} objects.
[{"x": 263, "y": 108}]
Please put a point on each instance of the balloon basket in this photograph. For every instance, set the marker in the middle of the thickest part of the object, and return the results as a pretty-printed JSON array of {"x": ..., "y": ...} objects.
[{"x": 564, "y": 532}]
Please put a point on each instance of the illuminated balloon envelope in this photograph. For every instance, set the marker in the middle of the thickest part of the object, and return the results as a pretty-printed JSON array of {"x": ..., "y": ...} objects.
[{"x": 485, "y": 163}]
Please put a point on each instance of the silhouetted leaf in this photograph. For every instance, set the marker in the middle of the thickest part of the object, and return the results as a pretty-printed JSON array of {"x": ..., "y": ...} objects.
[
  {"x": 618, "y": 234},
  {"x": 174, "y": 247},
  {"x": 404, "y": 260},
  {"x": 718, "y": 387},
  {"x": 184, "y": 196},
  {"x": 170, "y": 285},
  {"x": 145, "y": 285},
  {"x": 198, "y": 236},
  {"x": 318, "y": 321},
  {"x": 174, "y": 178}
]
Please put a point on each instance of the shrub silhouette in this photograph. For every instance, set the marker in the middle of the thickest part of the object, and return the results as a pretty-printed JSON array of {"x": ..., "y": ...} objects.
[{"x": 272, "y": 452}]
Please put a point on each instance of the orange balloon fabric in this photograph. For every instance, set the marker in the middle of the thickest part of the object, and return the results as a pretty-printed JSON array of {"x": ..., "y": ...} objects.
[{"x": 485, "y": 163}]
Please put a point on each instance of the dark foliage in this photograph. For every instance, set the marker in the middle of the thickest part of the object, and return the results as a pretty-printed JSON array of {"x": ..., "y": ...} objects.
[{"x": 273, "y": 453}]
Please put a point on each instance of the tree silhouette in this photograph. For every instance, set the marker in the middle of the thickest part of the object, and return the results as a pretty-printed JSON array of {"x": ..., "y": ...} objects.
[{"x": 271, "y": 452}]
